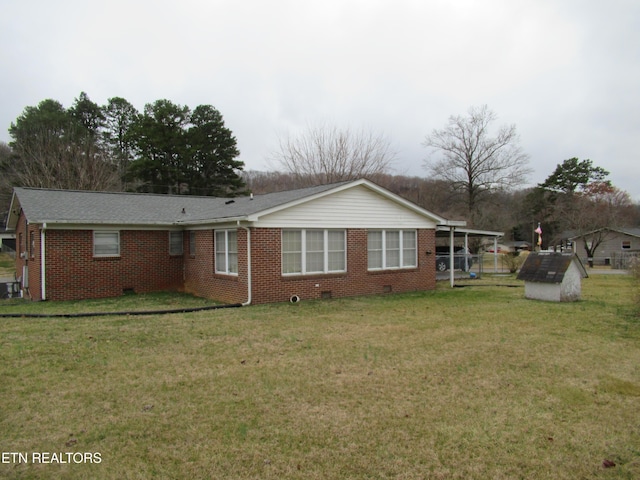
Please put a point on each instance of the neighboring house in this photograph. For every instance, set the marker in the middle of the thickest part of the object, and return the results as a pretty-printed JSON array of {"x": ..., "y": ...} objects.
[
  {"x": 350, "y": 238},
  {"x": 614, "y": 245},
  {"x": 552, "y": 276}
]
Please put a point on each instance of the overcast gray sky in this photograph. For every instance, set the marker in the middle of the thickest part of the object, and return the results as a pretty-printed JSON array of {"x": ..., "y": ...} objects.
[{"x": 565, "y": 72}]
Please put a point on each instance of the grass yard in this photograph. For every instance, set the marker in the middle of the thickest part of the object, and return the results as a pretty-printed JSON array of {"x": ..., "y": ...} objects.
[{"x": 465, "y": 383}]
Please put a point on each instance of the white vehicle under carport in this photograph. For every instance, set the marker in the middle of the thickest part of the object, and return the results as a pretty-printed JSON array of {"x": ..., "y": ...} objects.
[{"x": 462, "y": 260}]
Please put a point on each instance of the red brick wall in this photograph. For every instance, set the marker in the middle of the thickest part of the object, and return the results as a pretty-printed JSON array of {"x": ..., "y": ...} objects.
[
  {"x": 269, "y": 285},
  {"x": 144, "y": 265},
  {"x": 200, "y": 276},
  {"x": 24, "y": 244}
]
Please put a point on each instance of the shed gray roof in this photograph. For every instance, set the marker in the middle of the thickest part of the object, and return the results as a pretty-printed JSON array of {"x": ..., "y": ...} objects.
[
  {"x": 548, "y": 267},
  {"x": 85, "y": 207}
]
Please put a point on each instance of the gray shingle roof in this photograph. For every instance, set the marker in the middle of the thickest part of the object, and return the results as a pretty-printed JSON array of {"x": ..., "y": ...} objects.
[{"x": 84, "y": 207}]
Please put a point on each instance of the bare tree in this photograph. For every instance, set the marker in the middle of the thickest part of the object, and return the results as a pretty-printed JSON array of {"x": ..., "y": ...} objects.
[
  {"x": 323, "y": 154},
  {"x": 52, "y": 162},
  {"x": 475, "y": 162},
  {"x": 58, "y": 148}
]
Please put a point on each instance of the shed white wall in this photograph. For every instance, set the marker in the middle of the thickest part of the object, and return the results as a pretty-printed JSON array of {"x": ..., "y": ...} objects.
[
  {"x": 549, "y": 292},
  {"x": 569, "y": 290},
  {"x": 571, "y": 286},
  {"x": 357, "y": 207}
]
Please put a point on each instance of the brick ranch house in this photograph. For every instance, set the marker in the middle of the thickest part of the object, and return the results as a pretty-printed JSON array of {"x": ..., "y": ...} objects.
[{"x": 343, "y": 239}]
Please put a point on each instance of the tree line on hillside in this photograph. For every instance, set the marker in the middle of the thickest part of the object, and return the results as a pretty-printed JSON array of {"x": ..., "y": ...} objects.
[
  {"x": 166, "y": 148},
  {"x": 591, "y": 206},
  {"x": 475, "y": 170}
]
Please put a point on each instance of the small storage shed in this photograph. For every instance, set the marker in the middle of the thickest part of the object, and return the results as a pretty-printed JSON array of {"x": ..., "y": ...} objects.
[{"x": 552, "y": 276}]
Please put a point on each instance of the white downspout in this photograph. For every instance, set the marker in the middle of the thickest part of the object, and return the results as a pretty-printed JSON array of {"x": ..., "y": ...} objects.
[
  {"x": 249, "y": 289},
  {"x": 43, "y": 268}
]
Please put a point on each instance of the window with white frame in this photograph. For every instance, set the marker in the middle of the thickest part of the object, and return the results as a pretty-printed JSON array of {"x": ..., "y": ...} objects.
[
  {"x": 388, "y": 249},
  {"x": 106, "y": 244},
  {"x": 313, "y": 251},
  {"x": 226, "y": 249},
  {"x": 175, "y": 243}
]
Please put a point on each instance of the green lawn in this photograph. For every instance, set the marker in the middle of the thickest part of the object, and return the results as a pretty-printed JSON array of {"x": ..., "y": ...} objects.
[{"x": 469, "y": 383}]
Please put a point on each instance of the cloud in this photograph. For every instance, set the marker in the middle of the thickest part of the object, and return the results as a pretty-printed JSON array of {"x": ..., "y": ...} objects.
[{"x": 566, "y": 73}]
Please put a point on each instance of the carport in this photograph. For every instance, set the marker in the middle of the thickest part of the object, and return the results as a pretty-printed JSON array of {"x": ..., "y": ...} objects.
[{"x": 456, "y": 232}]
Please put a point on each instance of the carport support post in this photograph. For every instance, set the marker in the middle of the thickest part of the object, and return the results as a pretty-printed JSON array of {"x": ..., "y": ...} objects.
[
  {"x": 495, "y": 254},
  {"x": 451, "y": 272},
  {"x": 466, "y": 249}
]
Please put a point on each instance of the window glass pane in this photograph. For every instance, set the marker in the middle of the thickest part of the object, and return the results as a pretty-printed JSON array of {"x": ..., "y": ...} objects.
[
  {"x": 315, "y": 241},
  {"x": 232, "y": 243},
  {"x": 374, "y": 242},
  {"x": 409, "y": 253},
  {"x": 175, "y": 243},
  {"x": 106, "y": 243},
  {"x": 315, "y": 251},
  {"x": 292, "y": 251},
  {"x": 233, "y": 263},
  {"x": 393, "y": 240},
  {"x": 409, "y": 258},
  {"x": 393, "y": 249},
  {"x": 291, "y": 263},
  {"x": 221, "y": 260},
  {"x": 291, "y": 241},
  {"x": 336, "y": 262},
  {"x": 336, "y": 241},
  {"x": 315, "y": 262},
  {"x": 336, "y": 253},
  {"x": 393, "y": 258}
]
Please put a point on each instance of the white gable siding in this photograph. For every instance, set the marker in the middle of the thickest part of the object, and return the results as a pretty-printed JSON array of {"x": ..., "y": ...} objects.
[{"x": 352, "y": 208}]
